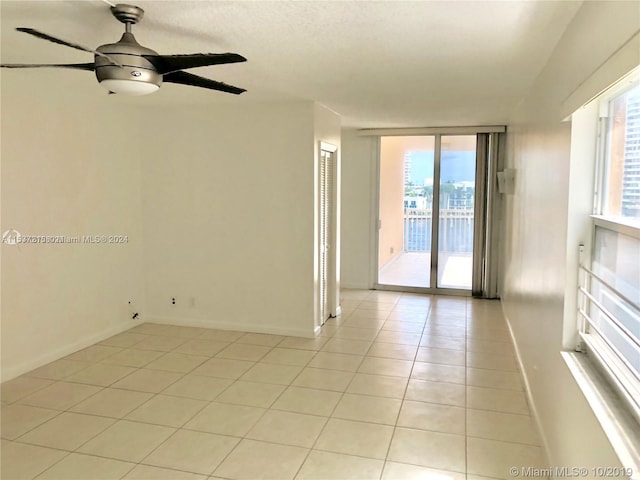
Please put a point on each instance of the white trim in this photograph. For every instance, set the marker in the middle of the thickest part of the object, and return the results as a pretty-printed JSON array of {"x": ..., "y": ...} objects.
[
  {"x": 614, "y": 369},
  {"x": 389, "y": 132},
  {"x": 618, "y": 425},
  {"x": 622, "y": 86},
  {"x": 328, "y": 147},
  {"x": 599, "y": 165},
  {"x": 625, "y": 226},
  {"x": 374, "y": 227},
  {"x": 244, "y": 327},
  {"x": 606, "y": 75},
  {"x": 13, "y": 372},
  {"x": 424, "y": 290}
]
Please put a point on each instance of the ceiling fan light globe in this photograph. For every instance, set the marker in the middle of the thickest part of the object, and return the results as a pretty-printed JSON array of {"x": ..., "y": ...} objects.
[{"x": 129, "y": 87}]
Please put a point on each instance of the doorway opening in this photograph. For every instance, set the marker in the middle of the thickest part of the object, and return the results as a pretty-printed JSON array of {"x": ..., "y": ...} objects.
[
  {"x": 426, "y": 205},
  {"x": 432, "y": 211},
  {"x": 328, "y": 248}
]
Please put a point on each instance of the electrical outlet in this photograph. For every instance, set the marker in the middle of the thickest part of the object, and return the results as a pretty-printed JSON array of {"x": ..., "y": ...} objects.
[
  {"x": 132, "y": 311},
  {"x": 173, "y": 300}
]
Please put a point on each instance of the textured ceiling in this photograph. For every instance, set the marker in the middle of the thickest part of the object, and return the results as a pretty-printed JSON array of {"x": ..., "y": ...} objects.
[{"x": 377, "y": 64}]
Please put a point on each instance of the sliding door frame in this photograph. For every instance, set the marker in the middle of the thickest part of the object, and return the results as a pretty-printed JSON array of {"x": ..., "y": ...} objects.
[
  {"x": 484, "y": 281},
  {"x": 435, "y": 214}
]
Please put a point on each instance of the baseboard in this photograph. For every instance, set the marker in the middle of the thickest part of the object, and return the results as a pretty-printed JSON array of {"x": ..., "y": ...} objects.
[
  {"x": 16, "y": 371},
  {"x": 527, "y": 390},
  {"x": 244, "y": 327}
]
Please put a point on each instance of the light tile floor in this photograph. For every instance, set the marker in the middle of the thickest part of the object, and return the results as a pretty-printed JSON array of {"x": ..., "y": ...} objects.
[{"x": 401, "y": 386}]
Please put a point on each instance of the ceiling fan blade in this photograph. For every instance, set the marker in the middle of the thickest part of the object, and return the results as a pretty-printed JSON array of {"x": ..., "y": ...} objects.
[
  {"x": 44, "y": 36},
  {"x": 173, "y": 63},
  {"x": 75, "y": 66},
  {"x": 185, "y": 78}
]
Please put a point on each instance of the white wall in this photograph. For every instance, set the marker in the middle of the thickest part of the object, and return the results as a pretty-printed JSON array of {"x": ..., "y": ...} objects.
[
  {"x": 538, "y": 229},
  {"x": 228, "y": 215},
  {"x": 584, "y": 126},
  {"x": 359, "y": 156},
  {"x": 67, "y": 169}
]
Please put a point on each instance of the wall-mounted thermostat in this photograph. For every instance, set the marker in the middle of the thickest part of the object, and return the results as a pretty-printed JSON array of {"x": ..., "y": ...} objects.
[{"x": 507, "y": 181}]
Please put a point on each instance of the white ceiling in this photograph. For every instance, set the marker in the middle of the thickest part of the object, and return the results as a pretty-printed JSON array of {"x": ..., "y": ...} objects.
[{"x": 377, "y": 64}]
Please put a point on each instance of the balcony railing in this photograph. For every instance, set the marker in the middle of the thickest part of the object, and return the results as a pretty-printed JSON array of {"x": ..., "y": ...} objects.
[{"x": 455, "y": 234}]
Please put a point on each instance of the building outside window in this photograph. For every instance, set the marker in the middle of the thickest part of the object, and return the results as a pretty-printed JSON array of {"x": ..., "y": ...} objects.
[{"x": 622, "y": 155}]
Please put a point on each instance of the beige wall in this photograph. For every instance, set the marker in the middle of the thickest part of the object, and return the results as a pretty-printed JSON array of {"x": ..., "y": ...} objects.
[
  {"x": 359, "y": 157},
  {"x": 217, "y": 203},
  {"x": 390, "y": 214},
  {"x": 228, "y": 215},
  {"x": 67, "y": 169}
]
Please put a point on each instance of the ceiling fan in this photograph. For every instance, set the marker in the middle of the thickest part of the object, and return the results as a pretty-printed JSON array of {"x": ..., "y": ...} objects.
[{"x": 127, "y": 67}]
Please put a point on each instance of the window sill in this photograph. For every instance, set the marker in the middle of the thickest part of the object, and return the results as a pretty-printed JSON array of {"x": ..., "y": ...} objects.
[
  {"x": 620, "y": 427},
  {"x": 626, "y": 226}
]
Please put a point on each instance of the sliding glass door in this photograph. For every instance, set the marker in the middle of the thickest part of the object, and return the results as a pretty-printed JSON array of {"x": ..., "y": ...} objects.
[
  {"x": 427, "y": 197},
  {"x": 405, "y": 210},
  {"x": 457, "y": 182}
]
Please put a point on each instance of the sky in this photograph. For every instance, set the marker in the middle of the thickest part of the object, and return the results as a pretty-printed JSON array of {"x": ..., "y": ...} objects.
[{"x": 455, "y": 167}]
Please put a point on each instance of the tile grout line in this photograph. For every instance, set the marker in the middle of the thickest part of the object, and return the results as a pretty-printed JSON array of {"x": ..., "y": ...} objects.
[
  {"x": 325, "y": 423},
  {"x": 466, "y": 403},
  {"x": 290, "y": 384},
  {"x": 395, "y": 426}
]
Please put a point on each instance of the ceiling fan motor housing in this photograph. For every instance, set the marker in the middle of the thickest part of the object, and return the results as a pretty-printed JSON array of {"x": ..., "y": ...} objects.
[{"x": 130, "y": 54}]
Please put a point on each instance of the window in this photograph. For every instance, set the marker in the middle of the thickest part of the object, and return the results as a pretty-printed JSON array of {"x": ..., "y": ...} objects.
[
  {"x": 621, "y": 163},
  {"x": 609, "y": 292},
  {"x": 609, "y": 307}
]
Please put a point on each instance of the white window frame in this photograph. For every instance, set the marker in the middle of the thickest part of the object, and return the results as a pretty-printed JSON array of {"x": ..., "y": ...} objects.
[
  {"x": 620, "y": 375},
  {"x": 617, "y": 410}
]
